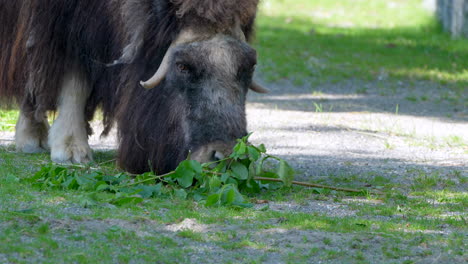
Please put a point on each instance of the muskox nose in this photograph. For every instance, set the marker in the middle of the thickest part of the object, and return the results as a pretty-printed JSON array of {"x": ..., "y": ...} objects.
[
  {"x": 211, "y": 152},
  {"x": 217, "y": 156}
]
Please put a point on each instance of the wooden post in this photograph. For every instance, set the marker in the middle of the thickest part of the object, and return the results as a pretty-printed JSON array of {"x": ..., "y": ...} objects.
[{"x": 454, "y": 16}]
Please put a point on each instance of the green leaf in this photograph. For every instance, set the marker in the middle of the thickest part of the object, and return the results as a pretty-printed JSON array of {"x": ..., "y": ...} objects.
[
  {"x": 239, "y": 150},
  {"x": 180, "y": 193},
  {"x": 239, "y": 171},
  {"x": 192, "y": 165},
  {"x": 215, "y": 183},
  {"x": 261, "y": 148},
  {"x": 127, "y": 200},
  {"x": 229, "y": 196},
  {"x": 265, "y": 184},
  {"x": 254, "y": 155},
  {"x": 186, "y": 171},
  {"x": 258, "y": 168},
  {"x": 225, "y": 177},
  {"x": 85, "y": 181},
  {"x": 148, "y": 191},
  {"x": 71, "y": 184},
  {"x": 317, "y": 190},
  {"x": 198, "y": 197},
  {"x": 111, "y": 180},
  {"x": 185, "y": 180},
  {"x": 212, "y": 199},
  {"x": 88, "y": 201},
  {"x": 252, "y": 170},
  {"x": 145, "y": 177},
  {"x": 102, "y": 186},
  {"x": 184, "y": 176},
  {"x": 269, "y": 174},
  {"x": 275, "y": 185},
  {"x": 232, "y": 181},
  {"x": 252, "y": 186},
  {"x": 221, "y": 167},
  {"x": 285, "y": 173}
]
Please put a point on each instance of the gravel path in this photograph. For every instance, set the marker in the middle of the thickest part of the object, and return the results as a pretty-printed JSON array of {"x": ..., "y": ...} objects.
[{"x": 338, "y": 132}]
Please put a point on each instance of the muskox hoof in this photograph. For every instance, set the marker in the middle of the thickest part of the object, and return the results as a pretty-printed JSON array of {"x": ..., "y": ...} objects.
[
  {"x": 71, "y": 152},
  {"x": 31, "y": 135},
  {"x": 31, "y": 149},
  {"x": 30, "y": 144}
]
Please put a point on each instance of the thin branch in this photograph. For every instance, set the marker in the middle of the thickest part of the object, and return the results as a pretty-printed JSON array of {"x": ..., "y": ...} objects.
[
  {"x": 214, "y": 162},
  {"x": 150, "y": 179},
  {"x": 314, "y": 185},
  {"x": 104, "y": 162}
]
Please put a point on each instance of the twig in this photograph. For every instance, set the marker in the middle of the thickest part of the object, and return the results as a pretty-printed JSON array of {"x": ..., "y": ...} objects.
[
  {"x": 314, "y": 185},
  {"x": 108, "y": 161},
  {"x": 150, "y": 179}
]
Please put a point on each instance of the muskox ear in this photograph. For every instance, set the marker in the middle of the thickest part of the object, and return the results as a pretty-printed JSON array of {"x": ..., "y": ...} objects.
[
  {"x": 130, "y": 52},
  {"x": 258, "y": 88}
]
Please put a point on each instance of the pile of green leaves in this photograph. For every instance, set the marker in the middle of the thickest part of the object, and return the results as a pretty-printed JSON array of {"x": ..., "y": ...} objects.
[{"x": 225, "y": 182}]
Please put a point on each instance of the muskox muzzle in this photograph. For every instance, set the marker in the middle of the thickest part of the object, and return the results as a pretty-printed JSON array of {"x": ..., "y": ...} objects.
[{"x": 213, "y": 152}]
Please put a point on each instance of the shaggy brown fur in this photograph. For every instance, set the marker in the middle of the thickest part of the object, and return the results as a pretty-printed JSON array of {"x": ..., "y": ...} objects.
[
  {"x": 13, "y": 36},
  {"x": 221, "y": 13}
]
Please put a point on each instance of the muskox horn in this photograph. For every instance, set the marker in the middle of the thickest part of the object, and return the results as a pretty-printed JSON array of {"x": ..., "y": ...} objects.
[
  {"x": 258, "y": 88},
  {"x": 237, "y": 31},
  {"x": 184, "y": 37},
  {"x": 160, "y": 73}
]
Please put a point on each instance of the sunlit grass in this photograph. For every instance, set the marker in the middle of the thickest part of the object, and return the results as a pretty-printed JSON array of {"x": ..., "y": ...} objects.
[
  {"x": 8, "y": 120},
  {"x": 327, "y": 40},
  {"x": 354, "y": 13},
  {"x": 45, "y": 216}
]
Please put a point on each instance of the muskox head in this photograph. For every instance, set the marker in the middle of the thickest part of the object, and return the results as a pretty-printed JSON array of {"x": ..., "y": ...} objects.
[{"x": 193, "y": 106}]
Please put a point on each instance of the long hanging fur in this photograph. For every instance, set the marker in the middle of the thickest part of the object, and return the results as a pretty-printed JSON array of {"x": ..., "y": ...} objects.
[
  {"x": 221, "y": 13},
  {"x": 13, "y": 37}
]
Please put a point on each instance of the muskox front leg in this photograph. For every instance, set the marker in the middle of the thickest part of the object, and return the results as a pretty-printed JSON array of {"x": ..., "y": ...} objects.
[
  {"x": 31, "y": 134},
  {"x": 68, "y": 138}
]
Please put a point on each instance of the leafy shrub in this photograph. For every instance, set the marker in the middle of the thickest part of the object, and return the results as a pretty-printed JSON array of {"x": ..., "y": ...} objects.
[{"x": 224, "y": 182}]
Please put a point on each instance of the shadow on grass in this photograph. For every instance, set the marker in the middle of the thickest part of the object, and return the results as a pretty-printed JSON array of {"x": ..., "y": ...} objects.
[
  {"x": 422, "y": 70},
  {"x": 327, "y": 52}
]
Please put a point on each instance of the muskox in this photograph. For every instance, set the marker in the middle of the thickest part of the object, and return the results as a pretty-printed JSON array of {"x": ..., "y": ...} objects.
[{"x": 76, "y": 56}]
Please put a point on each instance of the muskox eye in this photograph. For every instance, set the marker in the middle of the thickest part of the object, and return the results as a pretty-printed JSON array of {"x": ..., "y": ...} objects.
[{"x": 183, "y": 68}]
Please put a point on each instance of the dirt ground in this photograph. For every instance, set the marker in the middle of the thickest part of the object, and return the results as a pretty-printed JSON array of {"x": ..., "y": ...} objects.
[
  {"x": 351, "y": 130},
  {"x": 336, "y": 131}
]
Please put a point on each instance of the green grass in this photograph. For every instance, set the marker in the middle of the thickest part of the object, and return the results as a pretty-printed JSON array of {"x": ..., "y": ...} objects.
[
  {"x": 8, "y": 120},
  {"x": 53, "y": 225},
  {"x": 325, "y": 40},
  {"x": 421, "y": 220}
]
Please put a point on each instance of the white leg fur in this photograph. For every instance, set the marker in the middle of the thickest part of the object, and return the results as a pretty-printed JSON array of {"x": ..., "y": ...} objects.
[
  {"x": 68, "y": 139},
  {"x": 31, "y": 135}
]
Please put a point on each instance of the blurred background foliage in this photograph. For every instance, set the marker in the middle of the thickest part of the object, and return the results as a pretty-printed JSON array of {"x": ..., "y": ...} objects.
[{"x": 316, "y": 41}]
